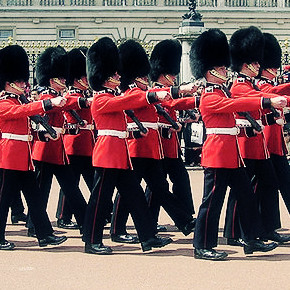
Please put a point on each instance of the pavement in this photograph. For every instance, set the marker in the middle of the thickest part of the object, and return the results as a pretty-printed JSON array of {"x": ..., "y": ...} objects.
[{"x": 172, "y": 267}]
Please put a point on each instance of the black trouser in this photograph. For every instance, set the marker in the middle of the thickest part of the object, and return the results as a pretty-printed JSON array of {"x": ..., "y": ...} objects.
[
  {"x": 152, "y": 172},
  {"x": 11, "y": 183},
  {"x": 80, "y": 165},
  {"x": 282, "y": 170},
  {"x": 178, "y": 175},
  {"x": 125, "y": 181},
  {"x": 17, "y": 204},
  {"x": 216, "y": 181},
  {"x": 65, "y": 178},
  {"x": 264, "y": 183}
]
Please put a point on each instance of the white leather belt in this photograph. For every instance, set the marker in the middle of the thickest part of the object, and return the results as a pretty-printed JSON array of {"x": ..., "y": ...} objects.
[
  {"x": 114, "y": 133},
  {"x": 245, "y": 123},
  {"x": 164, "y": 125},
  {"x": 223, "y": 131},
  {"x": 17, "y": 137},
  {"x": 133, "y": 126},
  {"x": 88, "y": 127}
]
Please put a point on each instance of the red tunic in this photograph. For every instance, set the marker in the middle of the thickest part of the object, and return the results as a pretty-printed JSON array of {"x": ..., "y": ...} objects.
[
  {"x": 148, "y": 146},
  {"x": 15, "y": 154},
  {"x": 107, "y": 112},
  {"x": 251, "y": 147},
  {"x": 274, "y": 133},
  {"x": 53, "y": 151},
  {"x": 81, "y": 144},
  {"x": 221, "y": 150}
]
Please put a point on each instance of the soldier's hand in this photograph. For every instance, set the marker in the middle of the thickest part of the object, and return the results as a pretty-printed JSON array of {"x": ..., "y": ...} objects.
[
  {"x": 279, "y": 102},
  {"x": 176, "y": 130},
  {"x": 188, "y": 88},
  {"x": 46, "y": 135},
  {"x": 58, "y": 101},
  {"x": 163, "y": 96},
  {"x": 144, "y": 134},
  {"x": 85, "y": 124},
  {"x": 259, "y": 132}
]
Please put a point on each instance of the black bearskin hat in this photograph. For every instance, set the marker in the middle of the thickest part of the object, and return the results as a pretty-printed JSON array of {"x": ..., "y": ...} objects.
[
  {"x": 14, "y": 65},
  {"x": 165, "y": 58},
  {"x": 77, "y": 64},
  {"x": 102, "y": 62},
  {"x": 272, "y": 52},
  {"x": 133, "y": 62},
  {"x": 246, "y": 46},
  {"x": 208, "y": 50},
  {"x": 52, "y": 63}
]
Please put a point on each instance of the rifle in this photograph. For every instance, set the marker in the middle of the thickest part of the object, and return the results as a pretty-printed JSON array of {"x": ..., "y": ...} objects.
[
  {"x": 43, "y": 121},
  {"x": 247, "y": 115},
  {"x": 140, "y": 126},
  {"x": 161, "y": 111},
  {"x": 77, "y": 117},
  {"x": 252, "y": 121}
]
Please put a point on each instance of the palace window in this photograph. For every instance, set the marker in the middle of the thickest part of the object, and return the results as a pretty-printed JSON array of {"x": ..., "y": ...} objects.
[
  {"x": 5, "y": 33},
  {"x": 68, "y": 33}
]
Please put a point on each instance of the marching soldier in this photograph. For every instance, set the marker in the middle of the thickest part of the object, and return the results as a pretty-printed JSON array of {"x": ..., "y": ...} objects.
[
  {"x": 113, "y": 167},
  {"x": 146, "y": 151},
  {"x": 50, "y": 157},
  {"x": 15, "y": 145},
  {"x": 80, "y": 138},
  {"x": 246, "y": 47},
  {"x": 209, "y": 57},
  {"x": 270, "y": 64},
  {"x": 165, "y": 66}
]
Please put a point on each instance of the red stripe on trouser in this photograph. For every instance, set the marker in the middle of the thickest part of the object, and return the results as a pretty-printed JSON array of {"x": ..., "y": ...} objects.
[
  {"x": 62, "y": 206},
  {"x": 96, "y": 209},
  {"x": 1, "y": 191},
  {"x": 233, "y": 222},
  {"x": 115, "y": 215},
  {"x": 207, "y": 212}
]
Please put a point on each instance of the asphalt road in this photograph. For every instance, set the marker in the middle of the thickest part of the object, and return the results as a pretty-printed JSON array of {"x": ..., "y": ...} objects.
[{"x": 172, "y": 267}]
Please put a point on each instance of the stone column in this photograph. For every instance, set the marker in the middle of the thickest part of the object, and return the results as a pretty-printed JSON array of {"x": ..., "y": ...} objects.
[{"x": 188, "y": 31}]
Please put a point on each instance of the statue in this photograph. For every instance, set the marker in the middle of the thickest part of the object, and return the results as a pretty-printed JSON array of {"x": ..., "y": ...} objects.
[{"x": 192, "y": 14}]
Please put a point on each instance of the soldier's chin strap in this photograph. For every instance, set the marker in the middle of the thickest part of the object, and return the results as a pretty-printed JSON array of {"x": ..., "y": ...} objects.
[
  {"x": 270, "y": 71},
  {"x": 252, "y": 69},
  {"x": 57, "y": 81},
  {"x": 114, "y": 81},
  {"x": 168, "y": 78},
  {"x": 141, "y": 81},
  {"x": 83, "y": 84},
  {"x": 218, "y": 75},
  {"x": 14, "y": 86}
]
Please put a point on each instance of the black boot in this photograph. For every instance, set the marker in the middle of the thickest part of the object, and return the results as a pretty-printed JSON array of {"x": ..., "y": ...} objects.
[
  {"x": 5, "y": 245},
  {"x": 31, "y": 232},
  {"x": 22, "y": 217},
  {"x": 99, "y": 249},
  {"x": 209, "y": 254},
  {"x": 275, "y": 237},
  {"x": 258, "y": 246},
  {"x": 51, "y": 240},
  {"x": 67, "y": 224},
  {"x": 124, "y": 238},
  {"x": 189, "y": 227},
  {"x": 235, "y": 242},
  {"x": 156, "y": 242}
]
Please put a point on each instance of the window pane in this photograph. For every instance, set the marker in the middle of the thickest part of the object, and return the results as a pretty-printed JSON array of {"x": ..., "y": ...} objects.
[
  {"x": 67, "y": 33},
  {"x": 6, "y": 33}
]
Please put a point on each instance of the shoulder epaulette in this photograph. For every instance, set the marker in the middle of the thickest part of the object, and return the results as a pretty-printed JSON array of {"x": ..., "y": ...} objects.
[
  {"x": 240, "y": 80},
  {"x": 209, "y": 89}
]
